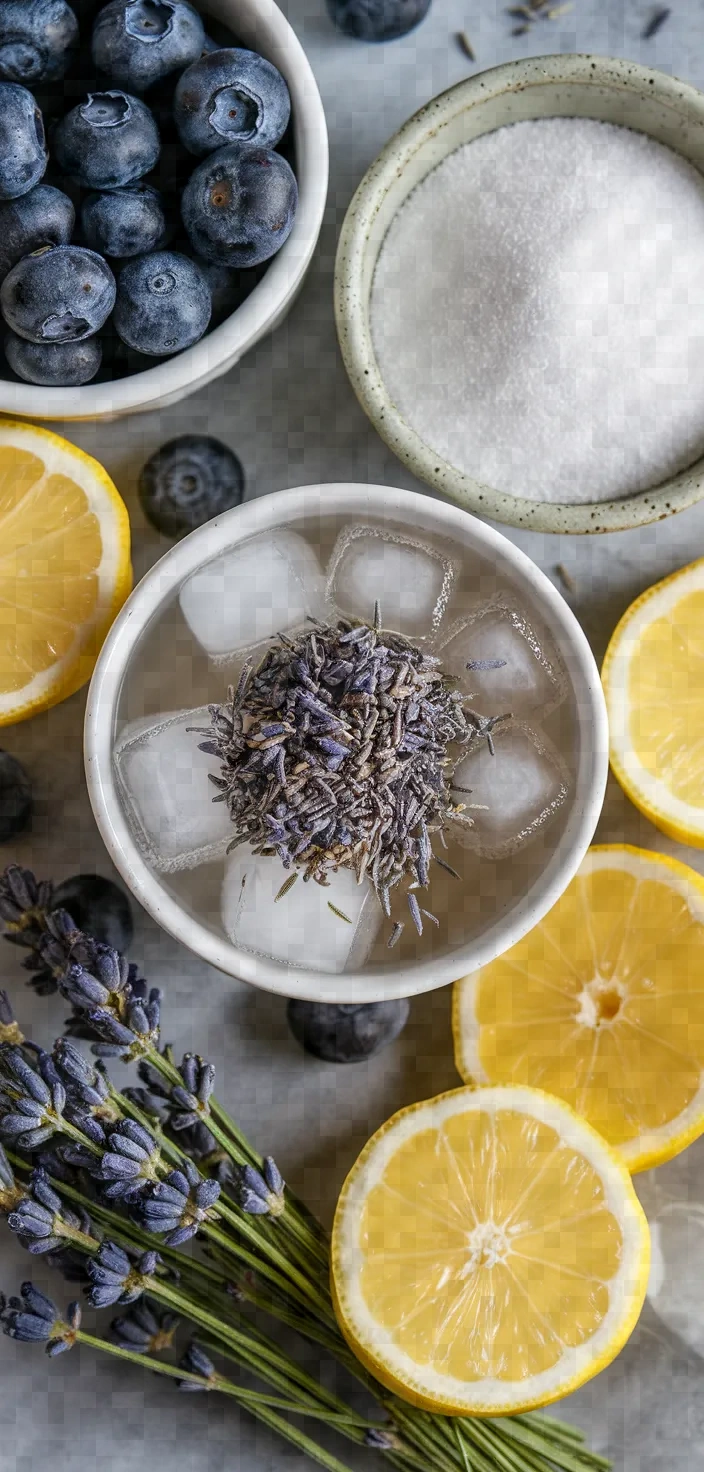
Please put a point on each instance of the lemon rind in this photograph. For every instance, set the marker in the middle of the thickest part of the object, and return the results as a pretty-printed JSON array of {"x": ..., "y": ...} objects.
[
  {"x": 74, "y": 669},
  {"x": 652, "y": 796}
]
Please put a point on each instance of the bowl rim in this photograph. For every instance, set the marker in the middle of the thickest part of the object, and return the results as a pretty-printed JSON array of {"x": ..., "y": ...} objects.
[
  {"x": 219, "y": 350},
  {"x": 233, "y": 527},
  {"x": 352, "y": 319}
]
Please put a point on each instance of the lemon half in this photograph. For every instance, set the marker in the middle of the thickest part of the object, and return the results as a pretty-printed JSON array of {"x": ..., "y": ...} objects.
[
  {"x": 489, "y": 1252},
  {"x": 602, "y": 1004},
  {"x": 653, "y": 677},
  {"x": 64, "y": 567}
]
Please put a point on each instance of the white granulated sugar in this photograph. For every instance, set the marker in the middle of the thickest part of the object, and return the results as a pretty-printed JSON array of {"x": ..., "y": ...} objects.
[{"x": 538, "y": 310}]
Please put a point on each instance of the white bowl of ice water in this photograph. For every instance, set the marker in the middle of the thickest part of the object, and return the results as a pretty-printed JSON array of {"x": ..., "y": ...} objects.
[{"x": 442, "y": 578}]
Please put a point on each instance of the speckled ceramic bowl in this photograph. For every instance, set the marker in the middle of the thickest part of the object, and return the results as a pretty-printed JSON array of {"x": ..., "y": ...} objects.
[{"x": 553, "y": 86}]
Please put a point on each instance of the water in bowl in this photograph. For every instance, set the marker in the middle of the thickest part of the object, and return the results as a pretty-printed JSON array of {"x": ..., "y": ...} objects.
[{"x": 459, "y": 607}]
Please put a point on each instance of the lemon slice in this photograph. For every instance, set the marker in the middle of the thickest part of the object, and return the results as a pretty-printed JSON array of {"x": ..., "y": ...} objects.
[
  {"x": 64, "y": 567},
  {"x": 602, "y": 1004},
  {"x": 489, "y": 1252},
  {"x": 653, "y": 679}
]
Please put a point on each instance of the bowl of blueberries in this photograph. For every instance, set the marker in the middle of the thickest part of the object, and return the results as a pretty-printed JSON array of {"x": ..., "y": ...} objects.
[{"x": 163, "y": 176}]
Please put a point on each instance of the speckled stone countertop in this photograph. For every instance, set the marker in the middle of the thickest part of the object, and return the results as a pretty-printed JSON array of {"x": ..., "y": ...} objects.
[{"x": 290, "y": 414}]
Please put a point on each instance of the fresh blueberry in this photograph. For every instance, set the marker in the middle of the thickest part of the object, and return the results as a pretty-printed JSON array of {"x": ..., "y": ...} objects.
[
  {"x": 377, "y": 20},
  {"x": 45, "y": 216},
  {"x": 228, "y": 288},
  {"x": 163, "y": 303},
  {"x": 56, "y": 364},
  {"x": 59, "y": 294},
  {"x": 123, "y": 222},
  {"x": 231, "y": 96},
  {"x": 98, "y": 907},
  {"x": 37, "y": 40},
  {"x": 15, "y": 797},
  {"x": 188, "y": 482},
  {"x": 346, "y": 1033},
  {"x": 135, "y": 42},
  {"x": 23, "y": 151},
  {"x": 107, "y": 142},
  {"x": 239, "y": 205}
]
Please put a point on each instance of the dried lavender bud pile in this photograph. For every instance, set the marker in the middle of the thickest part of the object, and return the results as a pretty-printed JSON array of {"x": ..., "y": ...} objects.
[{"x": 337, "y": 751}]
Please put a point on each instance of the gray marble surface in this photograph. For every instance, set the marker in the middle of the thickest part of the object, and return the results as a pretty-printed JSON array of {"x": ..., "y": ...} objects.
[{"x": 290, "y": 414}]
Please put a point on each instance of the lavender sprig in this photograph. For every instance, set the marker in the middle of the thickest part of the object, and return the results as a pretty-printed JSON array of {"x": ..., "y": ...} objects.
[
  {"x": 43, "y": 1222},
  {"x": 146, "y": 1328},
  {"x": 35, "y": 1319}
]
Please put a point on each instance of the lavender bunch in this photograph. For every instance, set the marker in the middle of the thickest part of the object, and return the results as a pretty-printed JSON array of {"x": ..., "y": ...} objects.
[
  {"x": 130, "y": 1177},
  {"x": 336, "y": 752}
]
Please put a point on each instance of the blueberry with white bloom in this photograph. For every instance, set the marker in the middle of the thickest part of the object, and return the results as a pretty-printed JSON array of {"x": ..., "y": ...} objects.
[
  {"x": 107, "y": 142},
  {"x": 62, "y": 293},
  {"x": 35, "y": 1319},
  {"x": 38, "y": 39},
  {"x": 136, "y": 42},
  {"x": 231, "y": 96},
  {"x": 54, "y": 365},
  {"x": 99, "y": 907},
  {"x": 123, "y": 222},
  {"x": 23, "y": 150},
  {"x": 377, "y": 20},
  {"x": 44, "y": 216},
  {"x": 162, "y": 305},
  {"x": 187, "y": 481},
  {"x": 239, "y": 205}
]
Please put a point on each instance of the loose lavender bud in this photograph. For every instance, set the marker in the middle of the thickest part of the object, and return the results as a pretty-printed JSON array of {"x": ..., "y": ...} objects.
[
  {"x": 145, "y": 1329},
  {"x": 178, "y": 1205}
]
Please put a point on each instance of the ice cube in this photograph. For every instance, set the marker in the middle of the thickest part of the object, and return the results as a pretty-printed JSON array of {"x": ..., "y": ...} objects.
[
  {"x": 412, "y": 581},
  {"x": 301, "y": 928},
  {"x": 676, "y": 1284},
  {"x": 168, "y": 798},
  {"x": 518, "y": 790},
  {"x": 269, "y": 583},
  {"x": 529, "y": 678}
]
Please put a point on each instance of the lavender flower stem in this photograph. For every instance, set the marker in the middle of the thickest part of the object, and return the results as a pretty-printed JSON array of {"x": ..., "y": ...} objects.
[{"x": 250, "y": 1400}]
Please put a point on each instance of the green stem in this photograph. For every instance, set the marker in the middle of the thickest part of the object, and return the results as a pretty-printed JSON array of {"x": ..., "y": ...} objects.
[{"x": 250, "y": 1400}]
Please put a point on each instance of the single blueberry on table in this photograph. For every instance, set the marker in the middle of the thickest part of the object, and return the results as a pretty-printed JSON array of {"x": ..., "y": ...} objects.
[
  {"x": 189, "y": 481},
  {"x": 377, "y": 20},
  {"x": 38, "y": 39},
  {"x": 231, "y": 96},
  {"x": 60, "y": 294},
  {"x": 98, "y": 907},
  {"x": 163, "y": 303},
  {"x": 346, "y": 1033},
  {"x": 123, "y": 222},
  {"x": 239, "y": 205},
  {"x": 56, "y": 364},
  {"x": 23, "y": 151},
  {"x": 15, "y": 797},
  {"x": 136, "y": 42},
  {"x": 45, "y": 216},
  {"x": 107, "y": 142}
]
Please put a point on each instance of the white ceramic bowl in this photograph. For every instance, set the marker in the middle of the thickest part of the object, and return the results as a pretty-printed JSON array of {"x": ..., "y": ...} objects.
[
  {"x": 358, "y": 503},
  {"x": 598, "y": 87},
  {"x": 260, "y": 25}
]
